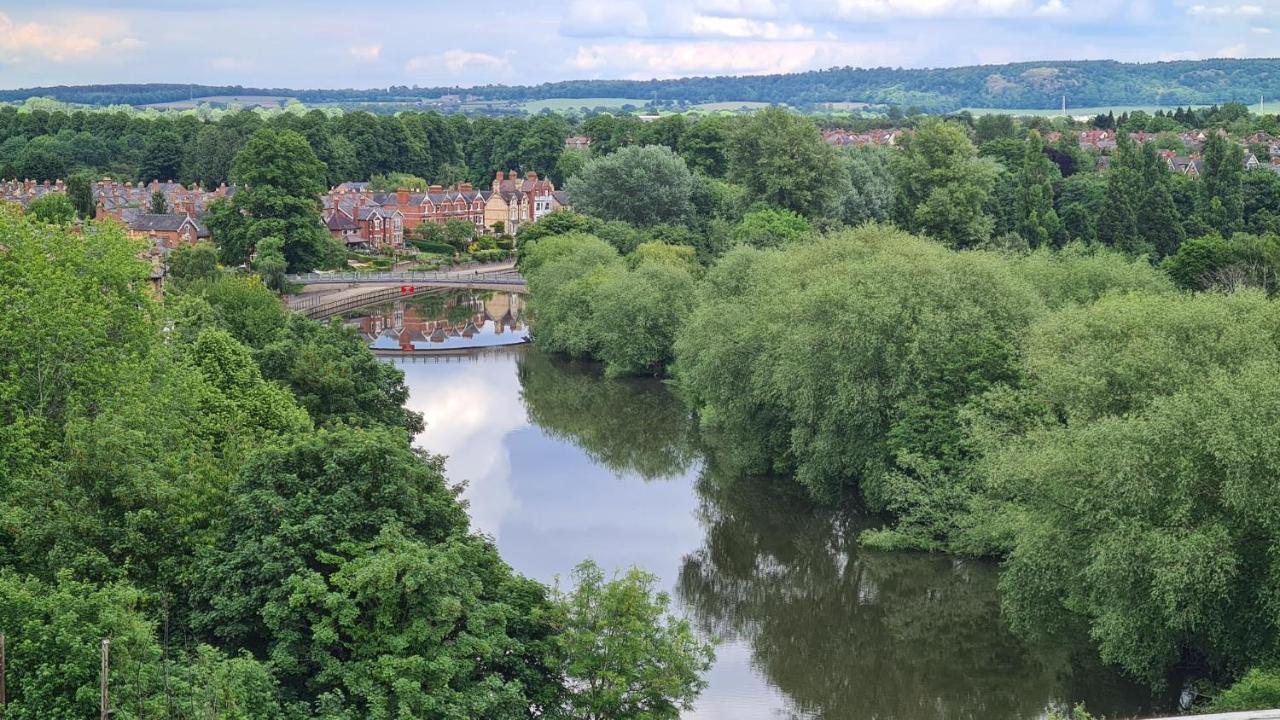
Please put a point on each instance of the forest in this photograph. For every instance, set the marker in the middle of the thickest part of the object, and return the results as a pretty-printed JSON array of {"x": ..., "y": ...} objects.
[
  {"x": 228, "y": 494},
  {"x": 1001, "y": 351},
  {"x": 1031, "y": 85}
]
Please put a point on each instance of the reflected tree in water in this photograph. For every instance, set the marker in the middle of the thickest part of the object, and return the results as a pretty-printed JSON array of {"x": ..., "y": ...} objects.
[
  {"x": 629, "y": 425},
  {"x": 851, "y": 633}
]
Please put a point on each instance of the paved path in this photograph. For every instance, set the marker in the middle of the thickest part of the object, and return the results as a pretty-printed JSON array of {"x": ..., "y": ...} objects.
[{"x": 1248, "y": 715}]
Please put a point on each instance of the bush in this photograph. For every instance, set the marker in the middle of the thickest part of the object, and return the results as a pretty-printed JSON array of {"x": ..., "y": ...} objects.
[
  {"x": 1257, "y": 690},
  {"x": 433, "y": 247},
  {"x": 488, "y": 256}
]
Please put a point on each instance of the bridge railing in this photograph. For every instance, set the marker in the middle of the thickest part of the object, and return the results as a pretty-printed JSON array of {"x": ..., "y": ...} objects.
[
  {"x": 453, "y": 277},
  {"x": 318, "y": 308}
]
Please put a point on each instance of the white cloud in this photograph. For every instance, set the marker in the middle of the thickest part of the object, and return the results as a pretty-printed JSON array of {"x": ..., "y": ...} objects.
[
  {"x": 644, "y": 60},
  {"x": 738, "y": 27},
  {"x": 72, "y": 37},
  {"x": 924, "y": 9},
  {"x": 365, "y": 53},
  {"x": 1225, "y": 10},
  {"x": 590, "y": 18},
  {"x": 456, "y": 61},
  {"x": 759, "y": 9},
  {"x": 1232, "y": 51},
  {"x": 1261, "y": 31},
  {"x": 1052, "y": 7}
]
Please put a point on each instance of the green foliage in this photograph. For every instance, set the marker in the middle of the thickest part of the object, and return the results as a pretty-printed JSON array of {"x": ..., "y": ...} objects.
[
  {"x": 162, "y": 466},
  {"x": 766, "y": 227},
  {"x": 1197, "y": 261},
  {"x": 615, "y": 672},
  {"x": 850, "y": 356},
  {"x": 1136, "y": 490},
  {"x": 54, "y": 630},
  {"x": 193, "y": 263},
  {"x": 1257, "y": 690},
  {"x": 158, "y": 205},
  {"x": 871, "y": 185},
  {"x": 459, "y": 233},
  {"x": 280, "y": 181},
  {"x": 588, "y": 303},
  {"x": 269, "y": 261},
  {"x": 80, "y": 192},
  {"x": 638, "y": 185},
  {"x": 1221, "y": 184},
  {"x": 944, "y": 185},
  {"x": 392, "y": 182},
  {"x": 782, "y": 160},
  {"x": 54, "y": 208},
  {"x": 1038, "y": 221}
]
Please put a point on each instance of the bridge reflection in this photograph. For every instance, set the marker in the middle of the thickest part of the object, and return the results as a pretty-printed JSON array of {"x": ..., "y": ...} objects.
[{"x": 463, "y": 320}]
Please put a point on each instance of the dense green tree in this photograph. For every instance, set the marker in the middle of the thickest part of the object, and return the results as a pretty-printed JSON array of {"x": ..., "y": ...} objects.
[
  {"x": 944, "y": 185},
  {"x": 704, "y": 145},
  {"x": 193, "y": 263},
  {"x": 158, "y": 204},
  {"x": 916, "y": 330},
  {"x": 1038, "y": 222},
  {"x": 459, "y": 234},
  {"x": 872, "y": 185},
  {"x": 54, "y": 208},
  {"x": 635, "y": 315},
  {"x": 620, "y": 674},
  {"x": 1197, "y": 261},
  {"x": 766, "y": 227},
  {"x": 351, "y": 568},
  {"x": 542, "y": 145},
  {"x": 161, "y": 157},
  {"x": 1138, "y": 488},
  {"x": 269, "y": 262},
  {"x": 208, "y": 158},
  {"x": 993, "y": 126},
  {"x": 335, "y": 378},
  {"x": 1080, "y": 202},
  {"x": 640, "y": 185},
  {"x": 1221, "y": 184},
  {"x": 781, "y": 159},
  {"x": 80, "y": 192},
  {"x": 280, "y": 181}
]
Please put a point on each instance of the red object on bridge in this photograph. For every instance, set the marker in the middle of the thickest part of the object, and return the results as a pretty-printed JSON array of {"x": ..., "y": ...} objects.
[{"x": 406, "y": 289}]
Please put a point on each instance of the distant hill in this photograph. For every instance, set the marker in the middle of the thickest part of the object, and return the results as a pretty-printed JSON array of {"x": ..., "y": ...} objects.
[{"x": 1032, "y": 85}]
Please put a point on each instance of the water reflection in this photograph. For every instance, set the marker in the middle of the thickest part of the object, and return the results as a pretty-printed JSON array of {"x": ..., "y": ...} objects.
[
  {"x": 853, "y": 633},
  {"x": 447, "y": 320},
  {"x": 631, "y": 426},
  {"x": 563, "y": 465}
]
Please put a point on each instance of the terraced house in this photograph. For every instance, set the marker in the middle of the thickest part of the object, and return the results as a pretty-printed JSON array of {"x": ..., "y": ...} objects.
[{"x": 361, "y": 217}]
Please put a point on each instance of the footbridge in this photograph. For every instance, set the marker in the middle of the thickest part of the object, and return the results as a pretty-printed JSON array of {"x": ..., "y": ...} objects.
[
  {"x": 503, "y": 277},
  {"x": 334, "y": 293}
]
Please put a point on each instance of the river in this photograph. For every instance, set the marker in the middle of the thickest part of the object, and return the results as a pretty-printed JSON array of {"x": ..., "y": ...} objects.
[{"x": 561, "y": 465}]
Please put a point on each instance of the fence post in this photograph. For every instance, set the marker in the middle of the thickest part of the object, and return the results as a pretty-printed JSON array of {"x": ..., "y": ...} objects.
[{"x": 104, "y": 705}]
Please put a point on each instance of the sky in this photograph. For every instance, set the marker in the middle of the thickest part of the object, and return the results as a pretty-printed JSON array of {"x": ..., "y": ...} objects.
[{"x": 378, "y": 43}]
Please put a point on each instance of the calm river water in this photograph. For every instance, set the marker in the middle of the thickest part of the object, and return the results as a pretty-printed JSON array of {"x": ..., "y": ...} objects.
[{"x": 562, "y": 465}]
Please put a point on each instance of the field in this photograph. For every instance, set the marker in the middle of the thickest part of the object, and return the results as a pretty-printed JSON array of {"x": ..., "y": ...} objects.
[
  {"x": 1075, "y": 111},
  {"x": 534, "y": 107},
  {"x": 730, "y": 106},
  {"x": 224, "y": 100}
]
